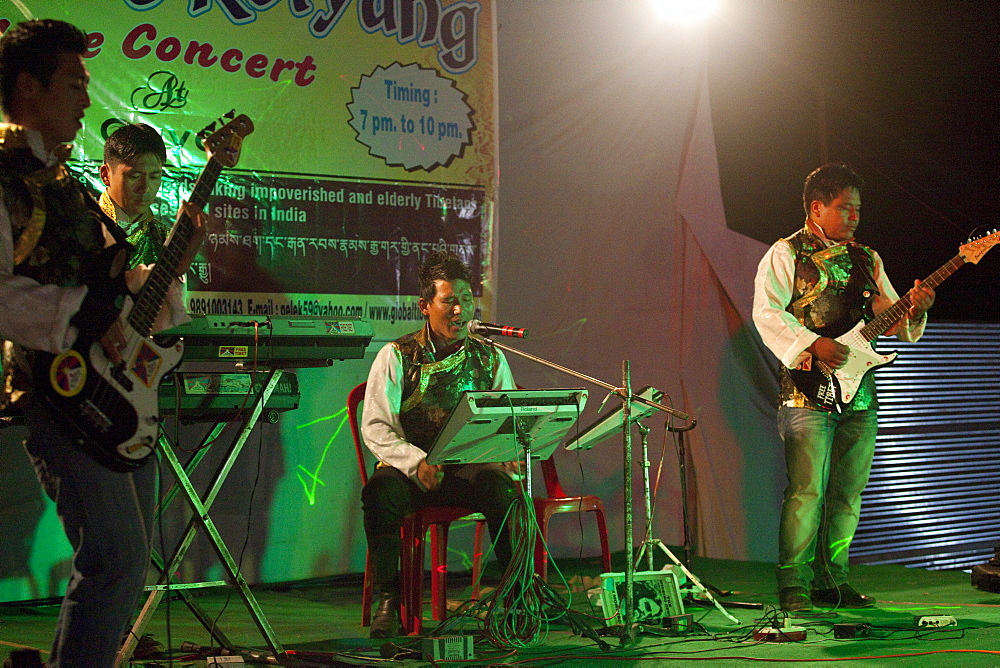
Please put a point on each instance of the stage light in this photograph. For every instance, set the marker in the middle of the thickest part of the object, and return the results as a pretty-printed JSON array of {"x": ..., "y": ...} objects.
[{"x": 685, "y": 10}]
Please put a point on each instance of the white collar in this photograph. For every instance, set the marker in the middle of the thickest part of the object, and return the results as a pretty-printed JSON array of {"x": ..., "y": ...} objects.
[
  {"x": 37, "y": 144},
  {"x": 819, "y": 234}
]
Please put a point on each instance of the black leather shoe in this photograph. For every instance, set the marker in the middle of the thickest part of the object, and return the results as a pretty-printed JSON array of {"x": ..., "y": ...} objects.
[
  {"x": 842, "y": 596},
  {"x": 794, "y": 599},
  {"x": 386, "y": 621}
]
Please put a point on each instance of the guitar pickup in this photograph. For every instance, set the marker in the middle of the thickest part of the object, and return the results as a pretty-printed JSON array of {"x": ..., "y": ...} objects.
[
  {"x": 118, "y": 373},
  {"x": 96, "y": 417}
]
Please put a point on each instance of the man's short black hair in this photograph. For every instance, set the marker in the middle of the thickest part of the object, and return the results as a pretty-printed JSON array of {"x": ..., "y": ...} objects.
[
  {"x": 130, "y": 141},
  {"x": 34, "y": 47},
  {"x": 828, "y": 181},
  {"x": 440, "y": 266}
]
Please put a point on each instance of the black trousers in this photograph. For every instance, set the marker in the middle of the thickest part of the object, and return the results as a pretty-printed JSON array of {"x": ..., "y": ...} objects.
[{"x": 390, "y": 496}]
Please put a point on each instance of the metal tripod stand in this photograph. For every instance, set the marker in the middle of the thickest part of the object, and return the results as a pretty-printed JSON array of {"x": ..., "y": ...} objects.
[
  {"x": 650, "y": 544},
  {"x": 625, "y": 393}
]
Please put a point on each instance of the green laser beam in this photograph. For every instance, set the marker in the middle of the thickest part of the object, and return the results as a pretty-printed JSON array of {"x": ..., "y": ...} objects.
[{"x": 310, "y": 479}]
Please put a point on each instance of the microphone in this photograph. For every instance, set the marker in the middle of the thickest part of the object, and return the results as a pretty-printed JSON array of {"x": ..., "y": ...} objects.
[{"x": 488, "y": 329}]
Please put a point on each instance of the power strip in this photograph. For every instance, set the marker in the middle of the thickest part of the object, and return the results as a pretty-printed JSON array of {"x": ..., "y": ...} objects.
[
  {"x": 847, "y": 630},
  {"x": 784, "y": 634},
  {"x": 934, "y": 621}
]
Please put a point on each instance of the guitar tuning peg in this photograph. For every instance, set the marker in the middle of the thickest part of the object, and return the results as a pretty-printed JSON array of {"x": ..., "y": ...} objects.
[{"x": 231, "y": 114}]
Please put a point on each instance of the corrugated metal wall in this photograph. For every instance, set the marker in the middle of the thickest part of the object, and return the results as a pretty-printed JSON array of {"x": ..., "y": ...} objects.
[{"x": 933, "y": 500}]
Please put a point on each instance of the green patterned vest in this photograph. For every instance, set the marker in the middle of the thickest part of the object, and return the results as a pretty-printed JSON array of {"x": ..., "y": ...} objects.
[
  {"x": 145, "y": 233},
  {"x": 56, "y": 229},
  {"x": 833, "y": 290},
  {"x": 431, "y": 389}
]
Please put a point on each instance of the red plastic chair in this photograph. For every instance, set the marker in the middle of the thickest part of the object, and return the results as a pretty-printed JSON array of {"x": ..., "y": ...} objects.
[
  {"x": 412, "y": 533},
  {"x": 557, "y": 501}
]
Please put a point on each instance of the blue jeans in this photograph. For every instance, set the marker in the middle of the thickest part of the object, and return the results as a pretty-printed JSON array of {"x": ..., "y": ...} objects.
[
  {"x": 828, "y": 457},
  {"x": 107, "y": 516}
]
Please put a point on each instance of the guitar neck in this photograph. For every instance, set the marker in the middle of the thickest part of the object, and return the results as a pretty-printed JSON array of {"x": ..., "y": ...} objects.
[
  {"x": 154, "y": 291},
  {"x": 895, "y": 313}
]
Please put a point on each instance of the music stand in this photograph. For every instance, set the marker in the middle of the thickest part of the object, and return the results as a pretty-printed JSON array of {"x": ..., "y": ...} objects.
[
  {"x": 481, "y": 427},
  {"x": 610, "y": 424}
]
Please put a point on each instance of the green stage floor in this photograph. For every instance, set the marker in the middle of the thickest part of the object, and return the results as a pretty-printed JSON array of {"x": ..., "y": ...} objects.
[{"x": 321, "y": 619}]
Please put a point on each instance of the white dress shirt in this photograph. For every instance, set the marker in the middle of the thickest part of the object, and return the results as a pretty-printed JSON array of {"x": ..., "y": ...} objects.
[
  {"x": 380, "y": 422},
  {"x": 781, "y": 332}
]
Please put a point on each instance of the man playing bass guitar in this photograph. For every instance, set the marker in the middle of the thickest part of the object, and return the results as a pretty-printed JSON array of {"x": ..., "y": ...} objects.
[
  {"x": 810, "y": 288},
  {"x": 57, "y": 281}
]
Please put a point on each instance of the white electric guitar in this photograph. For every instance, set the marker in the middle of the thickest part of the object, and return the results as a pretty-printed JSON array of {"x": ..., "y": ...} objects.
[
  {"x": 106, "y": 387},
  {"x": 834, "y": 389}
]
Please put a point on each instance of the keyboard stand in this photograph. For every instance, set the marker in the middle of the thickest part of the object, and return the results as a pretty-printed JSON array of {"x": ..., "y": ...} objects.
[{"x": 200, "y": 507}]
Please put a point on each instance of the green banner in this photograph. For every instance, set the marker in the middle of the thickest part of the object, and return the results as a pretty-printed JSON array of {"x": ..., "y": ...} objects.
[{"x": 374, "y": 140}]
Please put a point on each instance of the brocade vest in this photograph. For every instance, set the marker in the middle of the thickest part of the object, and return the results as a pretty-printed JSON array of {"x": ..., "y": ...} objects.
[
  {"x": 146, "y": 234},
  {"x": 56, "y": 230},
  {"x": 833, "y": 290},
  {"x": 431, "y": 389}
]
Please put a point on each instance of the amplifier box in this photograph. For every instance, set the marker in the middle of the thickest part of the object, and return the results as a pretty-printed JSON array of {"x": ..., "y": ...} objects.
[
  {"x": 656, "y": 594},
  {"x": 448, "y": 648}
]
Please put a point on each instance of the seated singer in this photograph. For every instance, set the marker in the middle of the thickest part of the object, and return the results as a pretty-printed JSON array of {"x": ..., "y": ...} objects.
[{"x": 414, "y": 383}]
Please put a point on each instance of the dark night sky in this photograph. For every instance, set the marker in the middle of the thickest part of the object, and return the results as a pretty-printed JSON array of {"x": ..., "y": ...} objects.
[{"x": 911, "y": 102}]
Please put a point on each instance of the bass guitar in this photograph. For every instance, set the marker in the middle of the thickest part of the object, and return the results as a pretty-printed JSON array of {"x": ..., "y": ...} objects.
[
  {"x": 106, "y": 387},
  {"x": 833, "y": 389}
]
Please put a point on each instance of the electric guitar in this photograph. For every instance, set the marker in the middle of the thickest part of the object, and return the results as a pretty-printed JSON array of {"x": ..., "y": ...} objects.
[
  {"x": 833, "y": 389},
  {"x": 106, "y": 387}
]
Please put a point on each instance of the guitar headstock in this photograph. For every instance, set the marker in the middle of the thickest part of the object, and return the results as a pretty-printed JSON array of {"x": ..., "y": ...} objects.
[
  {"x": 974, "y": 250},
  {"x": 225, "y": 143}
]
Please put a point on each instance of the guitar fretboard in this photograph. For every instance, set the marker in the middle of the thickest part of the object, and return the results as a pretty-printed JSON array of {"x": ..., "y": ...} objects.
[
  {"x": 154, "y": 292},
  {"x": 894, "y": 313}
]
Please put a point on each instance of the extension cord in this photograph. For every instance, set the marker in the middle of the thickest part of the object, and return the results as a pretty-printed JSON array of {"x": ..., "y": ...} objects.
[
  {"x": 786, "y": 634},
  {"x": 678, "y": 625}
]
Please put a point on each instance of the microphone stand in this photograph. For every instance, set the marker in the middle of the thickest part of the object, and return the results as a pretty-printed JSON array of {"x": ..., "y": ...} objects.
[
  {"x": 685, "y": 519},
  {"x": 625, "y": 393},
  {"x": 649, "y": 543}
]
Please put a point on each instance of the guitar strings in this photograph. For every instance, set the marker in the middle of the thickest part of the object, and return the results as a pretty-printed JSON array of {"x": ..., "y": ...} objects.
[{"x": 105, "y": 398}]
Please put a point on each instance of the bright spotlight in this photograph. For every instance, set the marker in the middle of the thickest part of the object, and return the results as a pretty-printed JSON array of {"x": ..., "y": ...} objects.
[{"x": 685, "y": 10}]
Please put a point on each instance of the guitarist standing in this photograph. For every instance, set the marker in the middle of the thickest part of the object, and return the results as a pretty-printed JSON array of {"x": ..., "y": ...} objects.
[
  {"x": 810, "y": 288},
  {"x": 57, "y": 280}
]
